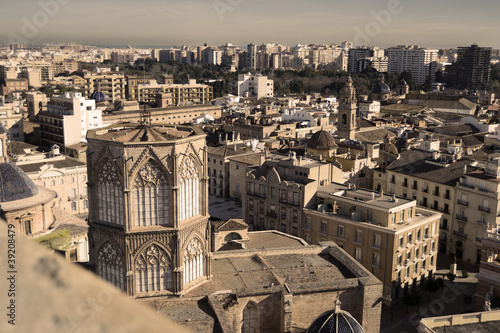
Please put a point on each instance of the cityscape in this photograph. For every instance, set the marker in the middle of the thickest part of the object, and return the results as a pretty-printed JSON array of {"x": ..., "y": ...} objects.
[{"x": 343, "y": 178}]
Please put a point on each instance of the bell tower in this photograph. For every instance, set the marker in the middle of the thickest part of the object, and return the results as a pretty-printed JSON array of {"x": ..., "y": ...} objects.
[
  {"x": 149, "y": 233},
  {"x": 346, "y": 126}
]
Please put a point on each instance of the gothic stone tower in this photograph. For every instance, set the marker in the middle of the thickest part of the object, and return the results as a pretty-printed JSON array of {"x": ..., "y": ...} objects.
[
  {"x": 149, "y": 232},
  {"x": 346, "y": 126}
]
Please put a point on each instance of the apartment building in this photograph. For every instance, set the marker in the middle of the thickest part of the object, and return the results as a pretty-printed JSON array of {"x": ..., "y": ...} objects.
[
  {"x": 420, "y": 61},
  {"x": 476, "y": 209},
  {"x": 357, "y": 58},
  {"x": 10, "y": 117},
  {"x": 218, "y": 163},
  {"x": 390, "y": 236},
  {"x": 182, "y": 94},
  {"x": 473, "y": 66},
  {"x": 277, "y": 191},
  {"x": 249, "y": 85},
  {"x": 67, "y": 119},
  {"x": 112, "y": 84},
  {"x": 488, "y": 279},
  {"x": 12, "y": 85},
  {"x": 66, "y": 66},
  {"x": 428, "y": 179}
]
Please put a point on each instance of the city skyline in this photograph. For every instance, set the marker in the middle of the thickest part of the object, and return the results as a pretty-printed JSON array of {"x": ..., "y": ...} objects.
[{"x": 445, "y": 24}]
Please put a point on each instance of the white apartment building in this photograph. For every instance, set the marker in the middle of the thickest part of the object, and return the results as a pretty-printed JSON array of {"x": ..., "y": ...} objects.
[
  {"x": 67, "y": 119},
  {"x": 369, "y": 109},
  {"x": 421, "y": 61},
  {"x": 252, "y": 86}
]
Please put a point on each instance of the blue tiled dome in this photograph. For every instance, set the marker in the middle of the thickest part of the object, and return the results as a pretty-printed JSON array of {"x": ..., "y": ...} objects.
[
  {"x": 381, "y": 88},
  {"x": 99, "y": 96},
  {"x": 335, "y": 321},
  {"x": 15, "y": 184}
]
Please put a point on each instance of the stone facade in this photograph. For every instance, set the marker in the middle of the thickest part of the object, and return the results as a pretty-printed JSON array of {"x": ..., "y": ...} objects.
[{"x": 148, "y": 219}]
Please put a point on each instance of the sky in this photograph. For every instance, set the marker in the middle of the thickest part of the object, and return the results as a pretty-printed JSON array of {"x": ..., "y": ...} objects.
[{"x": 384, "y": 23}]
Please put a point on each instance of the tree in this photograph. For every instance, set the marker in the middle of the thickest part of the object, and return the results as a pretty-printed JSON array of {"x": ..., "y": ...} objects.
[
  {"x": 408, "y": 77},
  {"x": 427, "y": 86},
  {"x": 297, "y": 86}
]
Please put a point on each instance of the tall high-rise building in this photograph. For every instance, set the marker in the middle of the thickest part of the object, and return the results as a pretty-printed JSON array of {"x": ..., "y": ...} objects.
[
  {"x": 473, "y": 66},
  {"x": 252, "y": 56},
  {"x": 420, "y": 61},
  {"x": 357, "y": 55}
]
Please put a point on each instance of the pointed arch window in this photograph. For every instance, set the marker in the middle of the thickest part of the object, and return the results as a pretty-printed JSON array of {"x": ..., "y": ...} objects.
[
  {"x": 193, "y": 261},
  {"x": 153, "y": 270},
  {"x": 250, "y": 320},
  {"x": 189, "y": 195},
  {"x": 110, "y": 265},
  {"x": 110, "y": 196},
  {"x": 150, "y": 196}
]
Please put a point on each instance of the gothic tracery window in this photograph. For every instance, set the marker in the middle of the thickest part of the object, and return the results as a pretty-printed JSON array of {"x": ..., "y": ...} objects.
[
  {"x": 249, "y": 321},
  {"x": 153, "y": 270},
  {"x": 150, "y": 195},
  {"x": 110, "y": 265},
  {"x": 110, "y": 196},
  {"x": 189, "y": 195},
  {"x": 193, "y": 261}
]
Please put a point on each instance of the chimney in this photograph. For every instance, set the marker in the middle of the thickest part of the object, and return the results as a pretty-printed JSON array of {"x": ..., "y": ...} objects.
[{"x": 381, "y": 194}]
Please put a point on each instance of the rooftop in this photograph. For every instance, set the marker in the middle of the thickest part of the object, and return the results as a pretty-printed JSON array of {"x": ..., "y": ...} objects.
[
  {"x": 413, "y": 163},
  {"x": 270, "y": 239},
  {"x": 305, "y": 268},
  {"x": 134, "y": 132},
  {"x": 360, "y": 195}
]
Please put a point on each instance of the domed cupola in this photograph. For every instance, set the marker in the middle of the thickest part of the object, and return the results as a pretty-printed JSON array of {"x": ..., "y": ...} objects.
[
  {"x": 335, "y": 321},
  {"x": 15, "y": 184}
]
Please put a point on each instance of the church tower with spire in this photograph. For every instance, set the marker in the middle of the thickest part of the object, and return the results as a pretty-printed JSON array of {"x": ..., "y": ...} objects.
[{"x": 346, "y": 126}]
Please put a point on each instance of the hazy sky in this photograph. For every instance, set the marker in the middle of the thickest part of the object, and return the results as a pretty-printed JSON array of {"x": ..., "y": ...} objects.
[{"x": 430, "y": 23}]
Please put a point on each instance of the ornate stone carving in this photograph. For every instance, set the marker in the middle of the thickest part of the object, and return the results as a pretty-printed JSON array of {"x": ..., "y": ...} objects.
[
  {"x": 188, "y": 169},
  {"x": 150, "y": 173},
  {"x": 153, "y": 256},
  {"x": 108, "y": 254},
  {"x": 193, "y": 249},
  {"x": 108, "y": 174}
]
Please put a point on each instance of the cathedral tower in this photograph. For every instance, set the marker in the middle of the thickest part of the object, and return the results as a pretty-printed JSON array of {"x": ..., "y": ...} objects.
[
  {"x": 149, "y": 230},
  {"x": 346, "y": 125}
]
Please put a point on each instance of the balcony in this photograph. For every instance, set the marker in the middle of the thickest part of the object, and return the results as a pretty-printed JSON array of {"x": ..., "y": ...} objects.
[
  {"x": 425, "y": 190},
  {"x": 461, "y": 217},
  {"x": 446, "y": 196},
  {"x": 481, "y": 222},
  {"x": 436, "y": 193},
  {"x": 469, "y": 187},
  {"x": 463, "y": 203},
  {"x": 261, "y": 195},
  {"x": 288, "y": 202},
  {"x": 459, "y": 234},
  {"x": 414, "y": 187},
  {"x": 404, "y": 184},
  {"x": 435, "y": 207},
  {"x": 424, "y": 203},
  {"x": 445, "y": 210},
  {"x": 443, "y": 227},
  {"x": 484, "y": 209},
  {"x": 392, "y": 181}
]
